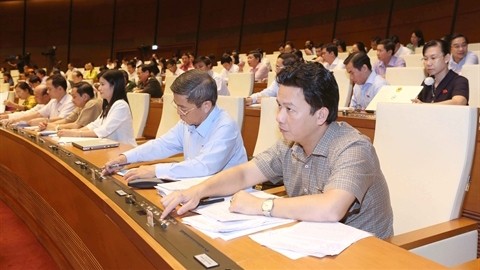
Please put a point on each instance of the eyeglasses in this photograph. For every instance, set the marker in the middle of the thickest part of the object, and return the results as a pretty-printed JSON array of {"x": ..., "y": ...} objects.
[{"x": 180, "y": 111}]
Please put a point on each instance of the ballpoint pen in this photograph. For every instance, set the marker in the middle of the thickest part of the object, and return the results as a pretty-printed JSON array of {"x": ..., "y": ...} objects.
[{"x": 207, "y": 201}]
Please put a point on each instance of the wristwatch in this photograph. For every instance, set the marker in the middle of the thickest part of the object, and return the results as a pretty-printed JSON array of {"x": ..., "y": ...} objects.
[{"x": 267, "y": 207}]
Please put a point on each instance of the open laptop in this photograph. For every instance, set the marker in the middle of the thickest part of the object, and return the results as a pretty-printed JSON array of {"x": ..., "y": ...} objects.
[
  {"x": 95, "y": 144},
  {"x": 394, "y": 93}
]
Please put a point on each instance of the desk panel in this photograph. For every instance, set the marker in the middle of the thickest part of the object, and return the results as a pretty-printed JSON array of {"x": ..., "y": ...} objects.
[{"x": 83, "y": 228}]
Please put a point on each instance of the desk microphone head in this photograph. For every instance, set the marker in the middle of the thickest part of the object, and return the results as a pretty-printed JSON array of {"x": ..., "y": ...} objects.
[{"x": 429, "y": 81}]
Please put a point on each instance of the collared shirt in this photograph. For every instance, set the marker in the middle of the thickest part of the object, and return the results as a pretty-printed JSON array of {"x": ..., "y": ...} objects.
[
  {"x": 261, "y": 72},
  {"x": 55, "y": 108},
  {"x": 402, "y": 51},
  {"x": 233, "y": 69},
  {"x": 381, "y": 69},
  {"x": 469, "y": 59},
  {"x": 342, "y": 159},
  {"x": 222, "y": 88},
  {"x": 363, "y": 94},
  {"x": 270, "y": 91},
  {"x": 336, "y": 64},
  {"x": 33, "y": 110},
  {"x": 117, "y": 125},
  {"x": 87, "y": 114},
  {"x": 216, "y": 144}
]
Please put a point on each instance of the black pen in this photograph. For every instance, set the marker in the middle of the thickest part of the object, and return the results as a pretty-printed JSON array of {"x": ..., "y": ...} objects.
[
  {"x": 118, "y": 165},
  {"x": 207, "y": 201}
]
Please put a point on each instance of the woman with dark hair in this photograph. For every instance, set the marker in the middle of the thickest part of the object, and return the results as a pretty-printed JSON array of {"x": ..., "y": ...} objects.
[
  {"x": 115, "y": 121},
  {"x": 22, "y": 91},
  {"x": 416, "y": 40}
]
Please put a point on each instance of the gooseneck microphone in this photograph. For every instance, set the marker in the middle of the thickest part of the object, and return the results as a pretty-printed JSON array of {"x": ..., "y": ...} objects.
[{"x": 430, "y": 81}]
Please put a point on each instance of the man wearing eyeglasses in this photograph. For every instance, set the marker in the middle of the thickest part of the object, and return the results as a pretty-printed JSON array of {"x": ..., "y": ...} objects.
[
  {"x": 460, "y": 53},
  {"x": 206, "y": 135}
]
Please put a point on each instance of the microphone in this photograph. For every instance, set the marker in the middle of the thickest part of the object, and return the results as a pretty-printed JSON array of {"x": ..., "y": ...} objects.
[{"x": 430, "y": 81}]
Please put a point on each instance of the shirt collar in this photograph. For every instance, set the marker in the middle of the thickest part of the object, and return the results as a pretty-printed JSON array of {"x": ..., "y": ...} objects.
[{"x": 206, "y": 126}]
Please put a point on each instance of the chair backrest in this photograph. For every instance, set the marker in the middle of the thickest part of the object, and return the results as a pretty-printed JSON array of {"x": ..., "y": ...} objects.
[
  {"x": 234, "y": 106},
  {"x": 310, "y": 57},
  {"x": 271, "y": 77},
  {"x": 240, "y": 84},
  {"x": 268, "y": 131},
  {"x": 139, "y": 105},
  {"x": 419, "y": 50},
  {"x": 15, "y": 73},
  {"x": 413, "y": 60},
  {"x": 217, "y": 68},
  {"x": 272, "y": 58},
  {"x": 472, "y": 73},
  {"x": 168, "y": 83},
  {"x": 405, "y": 75},
  {"x": 474, "y": 46},
  {"x": 426, "y": 153},
  {"x": 344, "y": 86},
  {"x": 343, "y": 55},
  {"x": 170, "y": 116}
]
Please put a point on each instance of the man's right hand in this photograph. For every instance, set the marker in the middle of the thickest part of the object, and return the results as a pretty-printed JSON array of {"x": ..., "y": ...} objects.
[{"x": 107, "y": 169}]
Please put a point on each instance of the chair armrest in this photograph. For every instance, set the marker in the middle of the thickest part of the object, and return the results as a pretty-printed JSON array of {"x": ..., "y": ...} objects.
[
  {"x": 431, "y": 234},
  {"x": 279, "y": 191}
]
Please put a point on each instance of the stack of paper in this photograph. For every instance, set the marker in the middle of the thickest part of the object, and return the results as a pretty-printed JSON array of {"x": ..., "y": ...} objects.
[
  {"x": 217, "y": 221},
  {"x": 310, "y": 239},
  {"x": 179, "y": 184}
]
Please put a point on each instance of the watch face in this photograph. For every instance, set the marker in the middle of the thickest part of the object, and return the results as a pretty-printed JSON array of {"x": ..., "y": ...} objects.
[{"x": 267, "y": 207}]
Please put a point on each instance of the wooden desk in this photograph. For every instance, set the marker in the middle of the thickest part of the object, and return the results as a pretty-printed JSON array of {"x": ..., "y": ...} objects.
[
  {"x": 84, "y": 228},
  {"x": 258, "y": 87}
]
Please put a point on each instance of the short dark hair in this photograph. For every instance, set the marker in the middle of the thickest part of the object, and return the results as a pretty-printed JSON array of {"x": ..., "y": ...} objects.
[
  {"x": 25, "y": 87},
  {"x": 358, "y": 60},
  {"x": 256, "y": 54},
  {"x": 84, "y": 88},
  {"x": 197, "y": 85},
  {"x": 444, "y": 46},
  {"x": 78, "y": 74},
  {"x": 360, "y": 46},
  {"x": 41, "y": 71},
  {"x": 288, "y": 58},
  {"x": 388, "y": 44},
  {"x": 319, "y": 87},
  {"x": 34, "y": 79},
  {"x": 152, "y": 68},
  {"x": 458, "y": 35},
  {"x": 203, "y": 59},
  {"x": 331, "y": 47},
  {"x": 58, "y": 80},
  {"x": 172, "y": 62},
  {"x": 226, "y": 58}
]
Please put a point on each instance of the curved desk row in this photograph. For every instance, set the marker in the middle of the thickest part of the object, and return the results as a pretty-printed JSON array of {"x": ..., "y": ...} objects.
[{"x": 81, "y": 221}]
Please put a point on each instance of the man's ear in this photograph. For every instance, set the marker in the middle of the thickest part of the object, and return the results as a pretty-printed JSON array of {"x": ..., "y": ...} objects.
[
  {"x": 206, "y": 106},
  {"x": 322, "y": 115}
]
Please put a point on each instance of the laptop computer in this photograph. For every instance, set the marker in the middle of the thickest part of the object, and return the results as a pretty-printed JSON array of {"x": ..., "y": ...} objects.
[
  {"x": 95, "y": 144},
  {"x": 394, "y": 93}
]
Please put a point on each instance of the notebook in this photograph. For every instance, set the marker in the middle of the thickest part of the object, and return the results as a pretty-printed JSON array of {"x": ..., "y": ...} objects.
[
  {"x": 394, "y": 93},
  {"x": 95, "y": 144}
]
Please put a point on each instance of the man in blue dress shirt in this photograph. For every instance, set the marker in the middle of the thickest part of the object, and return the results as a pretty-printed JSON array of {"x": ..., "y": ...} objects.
[{"x": 208, "y": 137}]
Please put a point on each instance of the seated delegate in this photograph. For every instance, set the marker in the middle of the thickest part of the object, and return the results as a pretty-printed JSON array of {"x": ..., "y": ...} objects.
[
  {"x": 115, "y": 121},
  {"x": 331, "y": 171},
  {"x": 208, "y": 137},
  {"x": 448, "y": 87}
]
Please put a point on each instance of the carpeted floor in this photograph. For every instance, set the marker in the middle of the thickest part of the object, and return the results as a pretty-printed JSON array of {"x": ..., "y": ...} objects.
[{"x": 19, "y": 249}]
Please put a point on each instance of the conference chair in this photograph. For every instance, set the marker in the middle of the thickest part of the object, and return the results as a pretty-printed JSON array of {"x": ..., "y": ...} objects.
[
  {"x": 139, "y": 105},
  {"x": 241, "y": 84},
  {"x": 234, "y": 106},
  {"x": 170, "y": 116},
  {"x": 272, "y": 75},
  {"x": 405, "y": 75},
  {"x": 344, "y": 87},
  {"x": 419, "y": 50},
  {"x": 272, "y": 58},
  {"x": 168, "y": 83},
  {"x": 472, "y": 73},
  {"x": 413, "y": 60},
  {"x": 309, "y": 58},
  {"x": 268, "y": 131},
  {"x": 474, "y": 46},
  {"x": 217, "y": 68},
  {"x": 426, "y": 154},
  {"x": 343, "y": 55}
]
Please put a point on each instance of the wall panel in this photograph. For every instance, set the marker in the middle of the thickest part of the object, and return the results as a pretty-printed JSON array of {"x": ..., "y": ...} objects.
[
  {"x": 468, "y": 19},
  {"x": 177, "y": 26},
  {"x": 91, "y": 36},
  {"x": 134, "y": 25},
  {"x": 433, "y": 17},
  {"x": 361, "y": 20},
  {"x": 219, "y": 27},
  {"x": 264, "y": 24},
  {"x": 311, "y": 20},
  {"x": 11, "y": 36},
  {"x": 47, "y": 26}
]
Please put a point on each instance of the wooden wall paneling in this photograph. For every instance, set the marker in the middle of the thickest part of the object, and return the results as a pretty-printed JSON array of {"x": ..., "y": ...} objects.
[
  {"x": 220, "y": 25},
  {"x": 11, "y": 36},
  {"x": 177, "y": 27},
  {"x": 264, "y": 25},
  {"x": 135, "y": 27},
  {"x": 433, "y": 17},
  {"x": 47, "y": 26},
  {"x": 361, "y": 20},
  {"x": 311, "y": 20},
  {"x": 468, "y": 20},
  {"x": 92, "y": 26}
]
